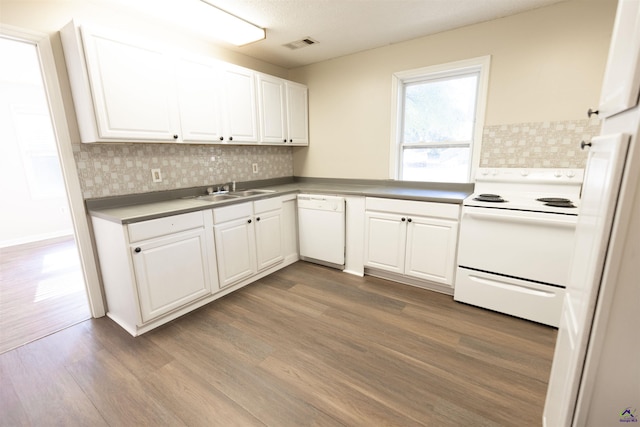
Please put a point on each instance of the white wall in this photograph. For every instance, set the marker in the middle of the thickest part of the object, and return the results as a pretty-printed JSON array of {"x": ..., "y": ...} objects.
[{"x": 546, "y": 65}]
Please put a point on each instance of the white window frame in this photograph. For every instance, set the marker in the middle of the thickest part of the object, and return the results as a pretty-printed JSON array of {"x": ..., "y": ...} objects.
[{"x": 478, "y": 65}]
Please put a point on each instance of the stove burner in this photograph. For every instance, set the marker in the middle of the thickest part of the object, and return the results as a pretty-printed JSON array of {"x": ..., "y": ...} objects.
[
  {"x": 494, "y": 198},
  {"x": 561, "y": 204},
  {"x": 553, "y": 200}
]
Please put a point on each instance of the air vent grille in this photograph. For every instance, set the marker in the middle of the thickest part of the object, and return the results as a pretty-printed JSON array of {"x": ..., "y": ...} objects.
[{"x": 298, "y": 44}]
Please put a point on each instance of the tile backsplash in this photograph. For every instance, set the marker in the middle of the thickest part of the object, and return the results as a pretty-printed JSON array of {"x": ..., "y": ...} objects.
[
  {"x": 538, "y": 144},
  {"x": 119, "y": 169}
]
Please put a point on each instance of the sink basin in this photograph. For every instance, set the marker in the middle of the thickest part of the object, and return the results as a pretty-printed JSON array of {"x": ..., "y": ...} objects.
[
  {"x": 252, "y": 192},
  {"x": 216, "y": 197}
]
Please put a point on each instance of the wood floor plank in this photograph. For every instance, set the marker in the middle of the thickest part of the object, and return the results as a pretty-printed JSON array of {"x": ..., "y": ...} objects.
[{"x": 305, "y": 346}]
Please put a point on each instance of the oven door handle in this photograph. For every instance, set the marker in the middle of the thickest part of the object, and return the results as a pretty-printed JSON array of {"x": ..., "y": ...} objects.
[
  {"x": 512, "y": 287},
  {"x": 556, "y": 220}
]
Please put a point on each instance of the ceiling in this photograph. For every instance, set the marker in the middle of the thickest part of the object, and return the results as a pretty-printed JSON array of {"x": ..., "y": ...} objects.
[{"x": 343, "y": 27}]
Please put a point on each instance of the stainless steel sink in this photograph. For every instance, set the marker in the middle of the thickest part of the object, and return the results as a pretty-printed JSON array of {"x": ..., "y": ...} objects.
[
  {"x": 216, "y": 197},
  {"x": 256, "y": 192}
]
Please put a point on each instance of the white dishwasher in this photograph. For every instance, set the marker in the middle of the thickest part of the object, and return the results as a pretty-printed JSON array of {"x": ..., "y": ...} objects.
[{"x": 321, "y": 229}]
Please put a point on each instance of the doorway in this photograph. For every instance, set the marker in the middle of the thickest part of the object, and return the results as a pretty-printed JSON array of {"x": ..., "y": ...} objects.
[{"x": 42, "y": 285}]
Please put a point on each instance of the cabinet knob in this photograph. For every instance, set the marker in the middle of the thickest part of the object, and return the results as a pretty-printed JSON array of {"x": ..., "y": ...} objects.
[
  {"x": 591, "y": 112},
  {"x": 291, "y": 140},
  {"x": 222, "y": 138},
  {"x": 137, "y": 250},
  {"x": 584, "y": 144},
  {"x": 249, "y": 221},
  {"x": 284, "y": 140},
  {"x": 258, "y": 219},
  {"x": 409, "y": 220},
  {"x": 230, "y": 138},
  {"x": 175, "y": 136},
  {"x": 403, "y": 219}
]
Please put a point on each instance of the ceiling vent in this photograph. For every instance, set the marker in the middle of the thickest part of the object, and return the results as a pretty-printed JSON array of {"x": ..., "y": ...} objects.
[{"x": 307, "y": 41}]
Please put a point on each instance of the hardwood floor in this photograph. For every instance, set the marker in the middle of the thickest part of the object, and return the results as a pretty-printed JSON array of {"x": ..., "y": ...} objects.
[
  {"x": 304, "y": 346},
  {"x": 41, "y": 291}
]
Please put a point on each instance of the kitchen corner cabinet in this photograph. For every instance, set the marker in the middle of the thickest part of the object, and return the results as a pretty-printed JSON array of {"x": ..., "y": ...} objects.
[
  {"x": 249, "y": 238},
  {"x": 156, "y": 270},
  {"x": 410, "y": 238},
  {"x": 283, "y": 111}
]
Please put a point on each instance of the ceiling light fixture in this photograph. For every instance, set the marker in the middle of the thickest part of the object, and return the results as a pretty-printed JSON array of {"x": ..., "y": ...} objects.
[
  {"x": 202, "y": 17},
  {"x": 230, "y": 28}
]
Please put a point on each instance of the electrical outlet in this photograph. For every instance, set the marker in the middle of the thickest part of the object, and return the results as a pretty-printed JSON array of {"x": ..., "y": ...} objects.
[
  {"x": 156, "y": 175},
  {"x": 255, "y": 167}
]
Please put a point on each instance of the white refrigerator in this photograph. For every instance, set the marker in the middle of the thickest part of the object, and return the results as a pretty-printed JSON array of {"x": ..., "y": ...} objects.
[{"x": 595, "y": 376}]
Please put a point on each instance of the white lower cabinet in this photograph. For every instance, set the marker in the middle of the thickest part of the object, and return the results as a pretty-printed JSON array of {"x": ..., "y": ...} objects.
[
  {"x": 156, "y": 270},
  {"x": 249, "y": 238},
  {"x": 413, "y": 239},
  {"x": 171, "y": 271}
]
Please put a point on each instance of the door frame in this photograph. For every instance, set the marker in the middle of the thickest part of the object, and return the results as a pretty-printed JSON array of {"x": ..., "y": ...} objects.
[{"x": 67, "y": 162}]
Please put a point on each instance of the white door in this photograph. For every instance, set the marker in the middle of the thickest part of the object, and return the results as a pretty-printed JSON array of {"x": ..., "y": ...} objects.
[
  {"x": 271, "y": 106},
  {"x": 599, "y": 195},
  {"x": 198, "y": 100},
  {"x": 235, "y": 250},
  {"x": 269, "y": 248},
  {"x": 241, "y": 123},
  {"x": 431, "y": 249},
  {"x": 171, "y": 272},
  {"x": 132, "y": 89},
  {"x": 297, "y": 114},
  {"x": 385, "y": 237}
]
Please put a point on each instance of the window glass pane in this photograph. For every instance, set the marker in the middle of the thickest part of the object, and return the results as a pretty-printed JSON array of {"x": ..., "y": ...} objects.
[
  {"x": 438, "y": 164},
  {"x": 440, "y": 110}
]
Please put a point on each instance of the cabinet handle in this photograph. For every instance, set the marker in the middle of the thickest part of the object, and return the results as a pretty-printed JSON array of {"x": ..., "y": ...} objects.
[
  {"x": 409, "y": 220},
  {"x": 258, "y": 219},
  {"x": 175, "y": 136},
  {"x": 584, "y": 144},
  {"x": 591, "y": 112},
  {"x": 291, "y": 140},
  {"x": 230, "y": 138},
  {"x": 249, "y": 221},
  {"x": 284, "y": 140},
  {"x": 137, "y": 250},
  {"x": 222, "y": 138},
  {"x": 403, "y": 219}
]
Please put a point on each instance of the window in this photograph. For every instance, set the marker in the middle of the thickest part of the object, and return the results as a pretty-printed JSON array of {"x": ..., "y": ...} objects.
[{"x": 439, "y": 118}]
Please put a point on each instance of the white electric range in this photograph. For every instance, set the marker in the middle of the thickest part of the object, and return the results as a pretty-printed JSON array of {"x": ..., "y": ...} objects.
[{"x": 516, "y": 241}]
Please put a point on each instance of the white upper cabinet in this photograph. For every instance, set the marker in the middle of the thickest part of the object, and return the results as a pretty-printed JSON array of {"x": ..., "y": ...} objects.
[
  {"x": 283, "y": 111},
  {"x": 129, "y": 90},
  {"x": 297, "y": 114},
  {"x": 272, "y": 109},
  {"x": 241, "y": 122},
  {"x": 621, "y": 84},
  {"x": 199, "y": 100},
  {"x": 122, "y": 91}
]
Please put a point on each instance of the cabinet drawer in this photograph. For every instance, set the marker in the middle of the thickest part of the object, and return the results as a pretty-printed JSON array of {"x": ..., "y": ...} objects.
[
  {"x": 265, "y": 205},
  {"x": 411, "y": 207},
  {"x": 229, "y": 213},
  {"x": 162, "y": 226}
]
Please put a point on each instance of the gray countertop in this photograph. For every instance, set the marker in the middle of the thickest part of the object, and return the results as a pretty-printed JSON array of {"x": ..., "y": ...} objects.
[{"x": 135, "y": 208}]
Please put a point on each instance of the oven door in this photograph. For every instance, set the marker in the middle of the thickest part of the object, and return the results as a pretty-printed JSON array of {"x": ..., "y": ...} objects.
[{"x": 533, "y": 246}]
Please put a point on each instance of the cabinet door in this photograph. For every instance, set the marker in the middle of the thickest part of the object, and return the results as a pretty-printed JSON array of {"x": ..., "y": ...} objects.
[
  {"x": 269, "y": 247},
  {"x": 171, "y": 272},
  {"x": 272, "y": 109},
  {"x": 297, "y": 114},
  {"x": 621, "y": 83},
  {"x": 235, "y": 250},
  {"x": 385, "y": 236},
  {"x": 241, "y": 124},
  {"x": 198, "y": 100},
  {"x": 132, "y": 89},
  {"x": 431, "y": 249}
]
